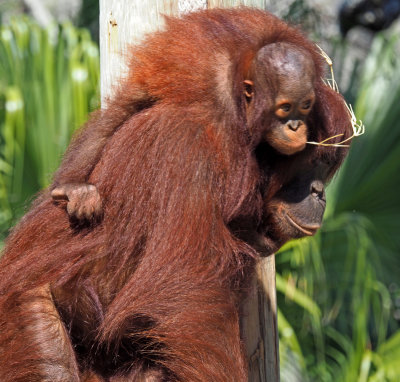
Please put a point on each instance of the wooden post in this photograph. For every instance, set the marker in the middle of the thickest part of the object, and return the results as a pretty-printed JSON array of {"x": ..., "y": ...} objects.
[
  {"x": 123, "y": 22},
  {"x": 259, "y": 325}
]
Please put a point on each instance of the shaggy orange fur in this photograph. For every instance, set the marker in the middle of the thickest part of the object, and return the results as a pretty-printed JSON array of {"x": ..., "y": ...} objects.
[{"x": 153, "y": 290}]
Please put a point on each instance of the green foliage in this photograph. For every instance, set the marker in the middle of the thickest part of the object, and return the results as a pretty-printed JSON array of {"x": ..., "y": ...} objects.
[
  {"x": 300, "y": 12},
  {"x": 338, "y": 290},
  {"x": 48, "y": 83},
  {"x": 89, "y": 17}
]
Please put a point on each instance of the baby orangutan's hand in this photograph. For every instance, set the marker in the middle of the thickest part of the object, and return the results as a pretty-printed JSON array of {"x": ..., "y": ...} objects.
[{"x": 83, "y": 200}]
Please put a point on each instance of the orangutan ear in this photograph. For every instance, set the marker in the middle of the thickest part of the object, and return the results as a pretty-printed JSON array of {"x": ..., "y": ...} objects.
[{"x": 248, "y": 90}]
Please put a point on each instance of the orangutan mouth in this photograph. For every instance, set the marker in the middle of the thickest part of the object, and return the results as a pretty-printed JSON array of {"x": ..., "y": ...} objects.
[{"x": 307, "y": 230}]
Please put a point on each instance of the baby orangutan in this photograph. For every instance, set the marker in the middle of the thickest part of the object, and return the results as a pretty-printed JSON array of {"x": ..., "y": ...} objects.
[
  {"x": 280, "y": 83},
  {"x": 281, "y": 79}
]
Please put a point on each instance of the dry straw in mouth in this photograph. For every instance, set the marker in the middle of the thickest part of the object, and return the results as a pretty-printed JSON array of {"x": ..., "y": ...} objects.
[{"x": 357, "y": 125}]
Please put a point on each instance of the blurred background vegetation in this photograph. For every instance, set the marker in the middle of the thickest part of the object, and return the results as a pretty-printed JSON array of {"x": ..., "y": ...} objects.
[{"x": 338, "y": 292}]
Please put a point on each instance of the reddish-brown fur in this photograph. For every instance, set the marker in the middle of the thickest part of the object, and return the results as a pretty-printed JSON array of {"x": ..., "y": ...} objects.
[{"x": 153, "y": 290}]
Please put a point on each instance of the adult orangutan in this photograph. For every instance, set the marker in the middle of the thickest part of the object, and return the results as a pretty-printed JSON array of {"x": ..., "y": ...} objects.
[{"x": 194, "y": 187}]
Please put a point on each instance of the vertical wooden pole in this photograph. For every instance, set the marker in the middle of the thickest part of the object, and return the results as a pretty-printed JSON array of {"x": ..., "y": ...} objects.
[
  {"x": 259, "y": 324},
  {"x": 124, "y": 22}
]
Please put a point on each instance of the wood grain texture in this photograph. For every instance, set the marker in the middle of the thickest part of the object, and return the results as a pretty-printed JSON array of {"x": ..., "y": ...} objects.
[
  {"x": 122, "y": 23},
  {"x": 259, "y": 325}
]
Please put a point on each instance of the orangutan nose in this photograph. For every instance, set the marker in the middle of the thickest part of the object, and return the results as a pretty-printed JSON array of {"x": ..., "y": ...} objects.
[
  {"x": 318, "y": 190},
  {"x": 294, "y": 125}
]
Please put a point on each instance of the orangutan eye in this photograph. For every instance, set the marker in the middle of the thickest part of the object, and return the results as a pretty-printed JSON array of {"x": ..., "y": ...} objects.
[
  {"x": 285, "y": 107},
  {"x": 307, "y": 105},
  {"x": 283, "y": 110}
]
